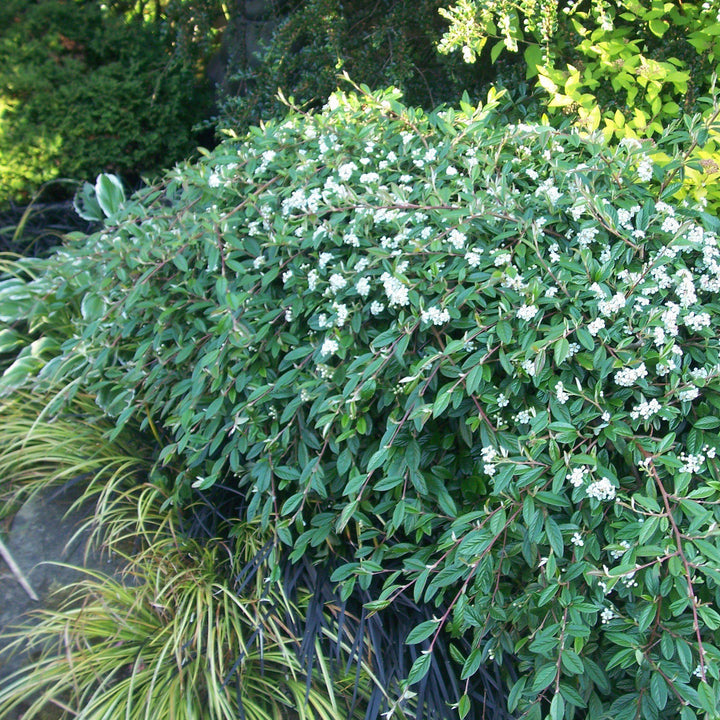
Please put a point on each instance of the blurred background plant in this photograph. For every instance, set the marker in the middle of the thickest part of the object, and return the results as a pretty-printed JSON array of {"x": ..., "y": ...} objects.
[{"x": 83, "y": 90}]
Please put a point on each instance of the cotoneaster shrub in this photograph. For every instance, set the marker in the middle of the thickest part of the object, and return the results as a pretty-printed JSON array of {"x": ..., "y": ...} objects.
[{"x": 474, "y": 361}]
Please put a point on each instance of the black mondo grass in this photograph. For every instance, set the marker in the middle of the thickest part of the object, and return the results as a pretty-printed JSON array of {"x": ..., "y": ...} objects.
[{"x": 364, "y": 651}]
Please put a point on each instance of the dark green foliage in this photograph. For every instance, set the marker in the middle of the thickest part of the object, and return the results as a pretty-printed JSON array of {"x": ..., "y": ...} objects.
[
  {"x": 82, "y": 91},
  {"x": 389, "y": 42}
]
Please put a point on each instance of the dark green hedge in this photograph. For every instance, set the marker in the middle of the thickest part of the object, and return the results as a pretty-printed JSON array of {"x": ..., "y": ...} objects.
[{"x": 82, "y": 91}]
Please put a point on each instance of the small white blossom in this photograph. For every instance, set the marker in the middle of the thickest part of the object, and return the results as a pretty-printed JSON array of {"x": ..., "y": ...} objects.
[
  {"x": 376, "y": 307},
  {"x": 601, "y": 489},
  {"x": 561, "y": 394},
  {"x": 688, "y": 394},
  {"x": 645, "y": 409},
  {"x": 645, "y": 170},
  {"x": 527, "y": 312},
  {"x": 472, "y": 257},
  {"x": 329, "y": 347},
  {"x": 435, "y": 316},
  {"x": 337, "y": 283},
  {"x": 576, "y": 477},
  {"x": 629, "y": 376},
  {"x": 577, "y": 540},
  {"x": 362, "y": 287}
]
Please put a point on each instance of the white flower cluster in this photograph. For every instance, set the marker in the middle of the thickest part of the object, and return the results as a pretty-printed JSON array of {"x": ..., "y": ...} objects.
[
  {"x": 397, "y": 293},
  {"x": 691, "y": 463},
  {"x": 615, "y": 303},
  {"x": 435, "y": 316},
  {"x": 489, "y": 454},
  {"x": 527, "y": 312},
  {"x": 619, "y": 552},
  {"x": 646, "y": 410},
  {"x": 601, "y": 490},
  {"x": 576, "y": 477},
  {"x": 627, "y": 377},
  {"x": 329, "y": 347},
  {"x": 561, "y": 394}
]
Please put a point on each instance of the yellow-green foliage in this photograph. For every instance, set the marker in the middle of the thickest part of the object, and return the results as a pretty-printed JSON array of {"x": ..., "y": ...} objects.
[{"x": 627, "y": 68}]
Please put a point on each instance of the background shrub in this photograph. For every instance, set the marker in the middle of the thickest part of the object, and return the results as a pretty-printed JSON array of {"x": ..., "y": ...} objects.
[
  {"x": 82, "y": 91},
  {"x": 391, "y": 42},
  {"x": 468, "y": 362}
]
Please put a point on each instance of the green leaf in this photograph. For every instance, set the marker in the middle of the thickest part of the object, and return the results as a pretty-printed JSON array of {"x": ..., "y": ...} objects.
[
  {"x": 554, "y": 536},
  {"x": 463, "y": 707},
  {"x": 110, "y": 194},
  {"x": 557, "y": 707},
  {"x": 658, "y": 27},
  {"x": 543, "y": 677},
  {"x": 419, "y": 668},
  {"x": 421, "y": 632},
  {"x": 572, "y": 663}
]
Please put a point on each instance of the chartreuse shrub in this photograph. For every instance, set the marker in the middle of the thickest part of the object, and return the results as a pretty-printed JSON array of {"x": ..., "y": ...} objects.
[
  {"x": 629, "y": 68},
  {"x": 471, "y": 363},
  {"x": 83, "y": 91}
]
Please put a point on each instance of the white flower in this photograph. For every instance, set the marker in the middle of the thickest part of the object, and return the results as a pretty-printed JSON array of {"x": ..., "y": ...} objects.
[
  {"x": 689, "y": 394},
  {"x": 691, "y": 463},
  {"x": 341, "y": 313},
  {"x": 489, "y": 453},
  {"x": 628, "y": 376},
  {"x": 214, "y": 180},
  {"x": 435, "y": 316},
  {"x": 527, "y": 312},
  {"x": 645, "y": 170},
  {"x": 596, "y": 326},
  {"x": 396, "y": 292},
  {"x": 529, "y": 367},
  {"x": 561, "y": 394},
  {"x": 345, "y": 171},
  {"x": 329, "y": 347},
  {"x": 502, "y": 400},
  {"x": 606, "y": 616},
  {"x": 337, "y": 283},
  {"x": 576, "y": 477},
  {"x": 312, "y": 279},
  {"x": 645, "y": 410},
  {"x": 472, "y": 257},
  {"x": 457, "y": 239},
  {"x": 259, "y": 261},
  {"x": 577, "y": 540},
  {"x": 324, "y": 259},
  {"x": 362, "y": 287},
  {"x": 369, "y": 178},
  {"x": 287, "y": 275},
  {"x": 376, "y": 307},
  {"x": 601, "y": 489},
  {"x": 586, "y": 236},
  {"x": 615, "y": 303}
]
